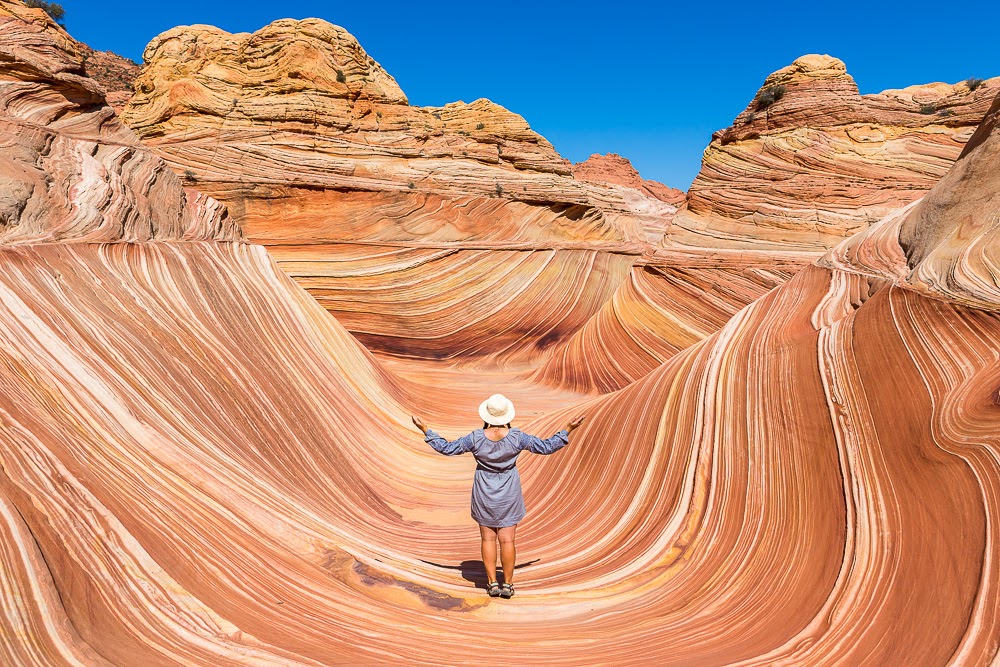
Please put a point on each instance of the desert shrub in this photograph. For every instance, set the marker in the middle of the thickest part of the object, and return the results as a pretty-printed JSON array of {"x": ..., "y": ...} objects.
[
  {"x": 927, "y": 109},
  {"x": 411, "y": 185},
  {"x": 341, "y": 78},
  {"x": 974, "y": 82},
  {"x": 190, "y": 175},
  {"x": 499, "y": 190},
  {"x": 52, "y": 9},
  {"x": 479, "y": 126},
  {"x": 769, "y": 96}
]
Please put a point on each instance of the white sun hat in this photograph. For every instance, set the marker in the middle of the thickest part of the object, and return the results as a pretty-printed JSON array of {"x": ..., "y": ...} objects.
[{"x": 497, "y": 410}]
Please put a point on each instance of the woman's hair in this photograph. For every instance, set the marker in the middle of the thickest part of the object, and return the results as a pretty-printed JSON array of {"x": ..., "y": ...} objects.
[{"x": 485, "y": 425}]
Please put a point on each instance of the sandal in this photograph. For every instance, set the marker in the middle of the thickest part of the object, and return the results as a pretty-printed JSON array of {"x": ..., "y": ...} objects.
[
  {"x": 493, "y": 589},
  {"x": 507, "y": 591}
]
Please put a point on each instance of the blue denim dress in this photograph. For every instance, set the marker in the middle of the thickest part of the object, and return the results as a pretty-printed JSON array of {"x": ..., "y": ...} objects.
[{"x": 497, "y": 500}]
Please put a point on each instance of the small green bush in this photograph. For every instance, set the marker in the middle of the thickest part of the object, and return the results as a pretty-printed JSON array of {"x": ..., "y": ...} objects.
[
  {"x": 479, "y": 126},
  {"x": 927, "y": 109},
  {"x": 52, "y": 9},
  {"x": 341, "y": 78},
  {"x": 190, "y": 175},
  {"x": 411, "y": 185},
  {"x": 499, "y": 190},
  {"x": 769, "y": 96},
  {"x": 974, "y": 82}
]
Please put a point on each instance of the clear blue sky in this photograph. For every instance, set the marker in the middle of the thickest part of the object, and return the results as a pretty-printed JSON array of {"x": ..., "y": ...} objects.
[{"x": 649, "y": 80}]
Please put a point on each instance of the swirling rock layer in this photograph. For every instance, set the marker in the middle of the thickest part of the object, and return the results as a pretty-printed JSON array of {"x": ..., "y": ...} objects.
[
  {"x": 660, "y": 310},
  {"x": 765, "y": 507},
  {"x": 317, "y": 153},
  {"x": 199, "y": 466},
  {"x": 71, "y": 170}
]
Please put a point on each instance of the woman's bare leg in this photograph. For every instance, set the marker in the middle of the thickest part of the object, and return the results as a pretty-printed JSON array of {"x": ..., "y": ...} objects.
[
  {"x": 488, "y": 543},
  {"x": 508, "y": 553}
]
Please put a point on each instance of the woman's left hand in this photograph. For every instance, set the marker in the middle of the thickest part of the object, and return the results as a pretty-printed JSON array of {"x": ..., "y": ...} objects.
[{"x": 419, "y": 423}]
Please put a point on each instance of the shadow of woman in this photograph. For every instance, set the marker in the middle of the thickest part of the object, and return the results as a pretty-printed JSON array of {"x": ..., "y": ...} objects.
[{"x": 475, "y": 572}]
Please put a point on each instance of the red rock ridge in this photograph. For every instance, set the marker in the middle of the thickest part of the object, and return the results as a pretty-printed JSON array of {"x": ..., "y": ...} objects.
[{"x": 613, "y": 168}]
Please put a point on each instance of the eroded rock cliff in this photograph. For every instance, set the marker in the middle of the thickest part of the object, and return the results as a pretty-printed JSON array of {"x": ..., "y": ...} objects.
[
  {"x": 72, "y": 171},
  {"x": 810, "y": 161}
]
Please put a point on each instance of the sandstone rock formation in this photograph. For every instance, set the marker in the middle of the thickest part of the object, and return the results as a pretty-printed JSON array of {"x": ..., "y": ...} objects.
[
  {"x": 660, "y": 310},
  {"x": 199, "y": 466},
  {"x": 113, "y": 72},
  {"x": 786, "y": 181},
  {"x": 821, "y": 161},
  {"x": 73, "y": 172},
  {"x": 615, "y": 169},
  {"x": 408, "y": 223},
  {"x": 385, "y": 212}
]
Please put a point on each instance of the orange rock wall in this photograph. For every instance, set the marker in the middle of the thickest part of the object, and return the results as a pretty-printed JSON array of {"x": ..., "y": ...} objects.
[{"x": 823, "y": 162}]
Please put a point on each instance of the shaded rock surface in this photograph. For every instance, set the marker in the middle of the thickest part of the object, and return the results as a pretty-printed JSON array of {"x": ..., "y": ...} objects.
[{"x": 72, "y": 171}]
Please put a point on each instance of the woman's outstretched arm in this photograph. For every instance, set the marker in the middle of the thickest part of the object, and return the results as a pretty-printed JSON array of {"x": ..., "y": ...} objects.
[
  {"x": 551, "y": 445},
  {"x": 460, "y": 446}
]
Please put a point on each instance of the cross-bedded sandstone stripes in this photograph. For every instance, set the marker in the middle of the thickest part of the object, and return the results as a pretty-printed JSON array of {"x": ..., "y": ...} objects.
[
  {"x": 72, "y": 171},
  {"x": 199, "y": 466},
  {"x": 316, "y": 151},
  {"x": 761, "y": 498}
]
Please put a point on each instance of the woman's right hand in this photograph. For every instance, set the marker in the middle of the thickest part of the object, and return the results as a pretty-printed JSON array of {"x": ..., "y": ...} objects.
[
  {"x": 574, "y": 424},
  {"x": 419, "y": 423}
]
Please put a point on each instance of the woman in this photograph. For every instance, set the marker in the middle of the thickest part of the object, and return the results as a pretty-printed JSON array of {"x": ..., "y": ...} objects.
[{"x": 497, "y": 502}]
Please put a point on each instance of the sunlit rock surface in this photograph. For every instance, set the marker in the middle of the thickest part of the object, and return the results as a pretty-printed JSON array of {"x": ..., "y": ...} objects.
[
  {"x": 617, "y": 170},
  {"x": 407, "y": 223},
  {"x": 199, "y": 466},
  {"x": 71, "y": 171},
  {"x": 821, "y": 161},
  {"x": 113, "y": 72},
  {"x": 663, "y": 308}
]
